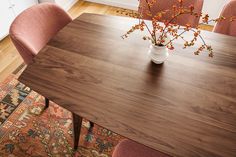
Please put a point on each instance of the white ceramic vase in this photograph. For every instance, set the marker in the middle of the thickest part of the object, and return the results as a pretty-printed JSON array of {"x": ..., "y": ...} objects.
[{"x": 158, "y": 54}]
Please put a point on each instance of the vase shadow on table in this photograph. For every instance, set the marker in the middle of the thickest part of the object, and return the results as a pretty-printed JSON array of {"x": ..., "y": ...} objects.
[{"x": 155, "y": 73}]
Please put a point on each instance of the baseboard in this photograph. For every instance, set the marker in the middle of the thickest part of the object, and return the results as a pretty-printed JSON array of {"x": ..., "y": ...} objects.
[
  {"x": 65, "y": 5},
  {"x": 69, "y": 4},
  {"x": 116, "y": 3},
  {"x": 4, "y": 36}
]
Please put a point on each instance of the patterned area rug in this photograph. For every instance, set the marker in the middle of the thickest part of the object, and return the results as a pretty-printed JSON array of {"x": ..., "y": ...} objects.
[{"x": 24, "y": 132}]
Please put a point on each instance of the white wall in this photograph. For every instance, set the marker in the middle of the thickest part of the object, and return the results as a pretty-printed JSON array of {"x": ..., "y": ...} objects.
[
  {"x": 129, "y": 4},
  {"x": 212, "y": 7},
  {"x": 65, "y": 4},
  {"x": 9, "y": 9}
]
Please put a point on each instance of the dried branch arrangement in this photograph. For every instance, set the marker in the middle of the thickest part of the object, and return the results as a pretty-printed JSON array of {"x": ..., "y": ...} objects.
[{"x": 165, "y": 32}]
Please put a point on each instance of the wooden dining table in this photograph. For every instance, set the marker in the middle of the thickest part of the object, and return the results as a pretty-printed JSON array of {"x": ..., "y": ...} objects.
[{"x": 185, "y": 107}]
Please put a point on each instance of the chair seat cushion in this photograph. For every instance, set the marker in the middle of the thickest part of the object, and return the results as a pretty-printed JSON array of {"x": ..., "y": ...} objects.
[{"x": 128, "y": 148}]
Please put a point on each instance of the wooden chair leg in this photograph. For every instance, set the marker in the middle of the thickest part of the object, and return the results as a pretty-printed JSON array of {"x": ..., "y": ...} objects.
[
  {"x": 46, "y": 103},
  {"x": 77, "y": 124},
  {"x": 91, "y": 127}
]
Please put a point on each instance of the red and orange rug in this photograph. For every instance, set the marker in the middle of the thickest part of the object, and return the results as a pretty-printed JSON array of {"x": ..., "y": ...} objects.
[{"x": 24, "y": 132}]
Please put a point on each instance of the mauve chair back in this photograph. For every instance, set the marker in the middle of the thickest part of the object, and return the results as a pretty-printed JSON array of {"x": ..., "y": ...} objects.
[
  {"x": 34, "y": 27},
  {"x": 162, "y": 5},
  {"x": 226, "y": 26}
]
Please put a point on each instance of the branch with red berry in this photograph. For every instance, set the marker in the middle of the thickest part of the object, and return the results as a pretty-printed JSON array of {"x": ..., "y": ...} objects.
[{"x": 159, "y": 32}]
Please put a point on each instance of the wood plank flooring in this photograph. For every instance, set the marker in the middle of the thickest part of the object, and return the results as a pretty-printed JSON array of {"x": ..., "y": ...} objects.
[{"x": 9, "y": 57}]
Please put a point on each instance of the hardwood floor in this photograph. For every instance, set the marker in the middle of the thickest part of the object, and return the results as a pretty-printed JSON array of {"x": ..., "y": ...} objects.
[
  {"x": 88, "y": 7},
  {"x": 9, "y": 57}
]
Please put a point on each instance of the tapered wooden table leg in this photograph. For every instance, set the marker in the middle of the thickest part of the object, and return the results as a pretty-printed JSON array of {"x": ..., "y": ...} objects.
[{"x": 77, "y": 123}]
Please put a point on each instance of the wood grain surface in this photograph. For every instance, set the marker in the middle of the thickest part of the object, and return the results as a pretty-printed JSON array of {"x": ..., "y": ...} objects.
[
  {"x": 185, "y": 107},
  {"x": 10, "y": 59}
]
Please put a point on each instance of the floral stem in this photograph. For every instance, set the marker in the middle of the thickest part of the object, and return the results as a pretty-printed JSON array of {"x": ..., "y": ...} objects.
[{"x": 175, "y": 37}]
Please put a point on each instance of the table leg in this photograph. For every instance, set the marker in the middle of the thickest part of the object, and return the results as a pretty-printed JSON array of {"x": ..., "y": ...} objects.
[{"x": 77, "y": 124}]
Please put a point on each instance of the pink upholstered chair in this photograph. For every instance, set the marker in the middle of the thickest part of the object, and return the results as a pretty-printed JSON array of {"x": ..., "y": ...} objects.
[
  {"x": 227, "y": 27},
  {"x": 162, "y": 5},
  {"x": 128, "y": 148},
  {"x": 31, "y": 31},
  {"x": 34, "y": 27}
]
